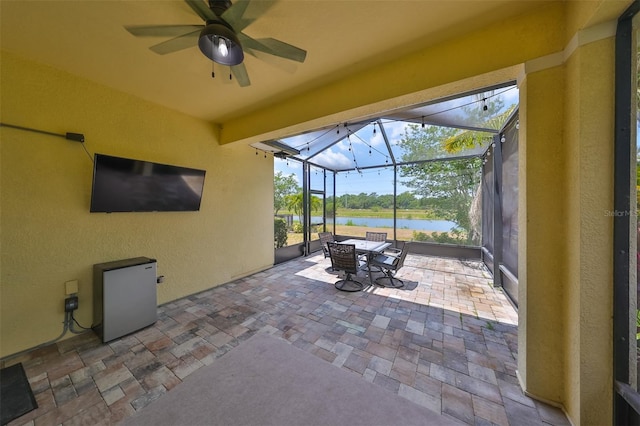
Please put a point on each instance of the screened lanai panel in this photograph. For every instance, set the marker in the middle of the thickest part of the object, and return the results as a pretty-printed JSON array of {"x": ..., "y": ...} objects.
[
  {"x": 364, "y": 202},
  {"x": 488, "y": 196},
  {"x": 412, "y": 142},
  {"x": 311, "y": 144},
  {"x": 510, "y": 198},
  {"x": 363, "y": 149},
  {"x": 475, "y": 111},
  {"x": 316, "y": 178}
]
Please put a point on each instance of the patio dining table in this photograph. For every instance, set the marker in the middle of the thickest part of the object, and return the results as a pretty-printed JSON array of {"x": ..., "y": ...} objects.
[{"x": 369, "y": 249}]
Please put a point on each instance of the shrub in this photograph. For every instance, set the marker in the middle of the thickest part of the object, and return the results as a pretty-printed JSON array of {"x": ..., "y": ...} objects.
[
  {"x": 420, "y": 236},
  {"x": 297, "y": 227},
  {"x": 280, "y": 232},
  {"x": 440, "y": 237}
]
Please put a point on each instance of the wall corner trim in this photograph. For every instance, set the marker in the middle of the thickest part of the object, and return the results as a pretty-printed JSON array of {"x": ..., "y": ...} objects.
[{"x": 582, "y": 37}]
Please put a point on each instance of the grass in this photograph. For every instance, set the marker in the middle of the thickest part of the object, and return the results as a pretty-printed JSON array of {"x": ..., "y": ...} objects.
[
  {"x": 380, "y": 213},
  {"x": 356, "y": 231},
  {"x": 352, "y": 230}
]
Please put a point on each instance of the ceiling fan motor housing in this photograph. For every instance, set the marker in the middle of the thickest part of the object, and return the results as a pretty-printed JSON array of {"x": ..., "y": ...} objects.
[
  {"x": 219, "y": 6},
  {"x": 219, "y": 43}
]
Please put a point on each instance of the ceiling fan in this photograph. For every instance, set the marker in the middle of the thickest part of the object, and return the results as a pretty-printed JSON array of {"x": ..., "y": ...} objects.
[{"x": 221, "y": 38}]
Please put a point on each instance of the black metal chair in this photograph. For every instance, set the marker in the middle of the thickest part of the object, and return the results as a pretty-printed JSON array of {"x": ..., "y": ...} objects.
[
  {"x": 376, "y": 236},
  {"x": 390, "y": 264},
  {"x": 373, "y": 236},
  {"x": 343, "y": 258},
  {"x": 325, "y": 237}
]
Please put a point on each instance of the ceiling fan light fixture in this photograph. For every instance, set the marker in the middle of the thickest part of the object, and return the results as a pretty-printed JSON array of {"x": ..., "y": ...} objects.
[{"x": 219, "y": 43}]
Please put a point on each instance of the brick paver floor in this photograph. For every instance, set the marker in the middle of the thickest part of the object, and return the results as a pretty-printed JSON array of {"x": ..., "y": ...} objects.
[{"x": 447, "y": 341}]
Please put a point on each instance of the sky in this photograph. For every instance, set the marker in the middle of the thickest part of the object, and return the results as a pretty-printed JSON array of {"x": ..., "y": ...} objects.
[
  {"x": 365, "y": 147},
  {"x": 367, "y": 181}
]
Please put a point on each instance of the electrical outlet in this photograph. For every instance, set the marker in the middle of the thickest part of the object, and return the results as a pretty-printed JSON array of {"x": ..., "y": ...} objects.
[
  {"x": 71, "y": 304},
  {"x": 71, "y": 287}
]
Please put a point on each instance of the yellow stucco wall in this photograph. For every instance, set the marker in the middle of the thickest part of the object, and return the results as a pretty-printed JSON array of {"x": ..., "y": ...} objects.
[
  {"x": 565, "y": 252},
  {"x": 541, "y": 239},
  {"x": 48, "y": 235},
  {"x": 589, "y": 294}
]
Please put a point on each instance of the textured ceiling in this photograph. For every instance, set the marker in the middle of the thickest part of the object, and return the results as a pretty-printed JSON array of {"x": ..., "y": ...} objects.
[{"x": 88, "y": 39}]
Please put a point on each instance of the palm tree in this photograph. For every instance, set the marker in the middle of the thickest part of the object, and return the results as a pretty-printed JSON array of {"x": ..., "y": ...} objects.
[
  {"x": 294, "y": 203},
  {"x": 465, "y": 139}
]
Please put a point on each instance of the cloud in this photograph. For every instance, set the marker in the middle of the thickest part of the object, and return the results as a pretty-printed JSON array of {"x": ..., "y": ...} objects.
[
  {"x": 395, "y": 130},
  {"x": 297, "y": 141},
  {"x": 377, "y": 140},
  {"x": 333, "y": 160}
]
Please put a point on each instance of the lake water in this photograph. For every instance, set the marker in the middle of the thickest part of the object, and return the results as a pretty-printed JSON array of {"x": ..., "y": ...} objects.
[{"x": 417, "y": 224}]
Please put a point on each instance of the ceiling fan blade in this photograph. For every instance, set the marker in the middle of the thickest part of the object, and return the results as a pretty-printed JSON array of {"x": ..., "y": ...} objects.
[
  {"x": 282, "y": 64},
  {"x": 274, "y": 47},
  {"x": 241, "y": 75},
  {"x": 201, "y": 9},
  {"x": 243, "y": 12},
  {"x": 178, "y": 43},
  {"x": 161, "y": 30}
]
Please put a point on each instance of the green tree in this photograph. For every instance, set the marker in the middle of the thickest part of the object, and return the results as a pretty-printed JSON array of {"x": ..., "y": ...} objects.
[
  {"x": 385, "y": 201},
  {"x": 448, "y": 187},
  {"x": 491, "y": 118},
  {"x": 283, "y": 186},
  {"x": 294, "y": 203},
  {"x": 406, "y": 200}
]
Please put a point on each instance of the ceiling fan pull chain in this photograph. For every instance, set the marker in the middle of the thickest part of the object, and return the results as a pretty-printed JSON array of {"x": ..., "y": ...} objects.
[
  {"x": 230, "y": 73},
  {"x": 213, "y": 74}
]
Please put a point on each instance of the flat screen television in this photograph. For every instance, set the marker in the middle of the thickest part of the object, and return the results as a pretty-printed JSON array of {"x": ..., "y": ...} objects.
[{"x": 127, "y": 185}]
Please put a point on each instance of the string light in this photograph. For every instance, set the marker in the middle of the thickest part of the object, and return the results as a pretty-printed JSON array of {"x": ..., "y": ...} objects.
[{"x": 422, "y": 120}]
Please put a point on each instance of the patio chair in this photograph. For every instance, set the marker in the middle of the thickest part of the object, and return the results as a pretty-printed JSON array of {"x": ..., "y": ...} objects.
[
  {"x": 343, "y": 258},
  {"x": 389, "y": 264},
  {"x": 376, "y": 236},
  {"x": 325, "y": 237},
  {"x": 373, "y": 236}
]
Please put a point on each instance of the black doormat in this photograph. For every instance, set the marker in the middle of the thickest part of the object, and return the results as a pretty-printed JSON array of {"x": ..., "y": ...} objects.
[{"x": 16, "y": 397}]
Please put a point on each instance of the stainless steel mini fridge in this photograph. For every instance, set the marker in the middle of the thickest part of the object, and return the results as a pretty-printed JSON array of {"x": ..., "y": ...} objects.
[{"x": 124, "y": 297}]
